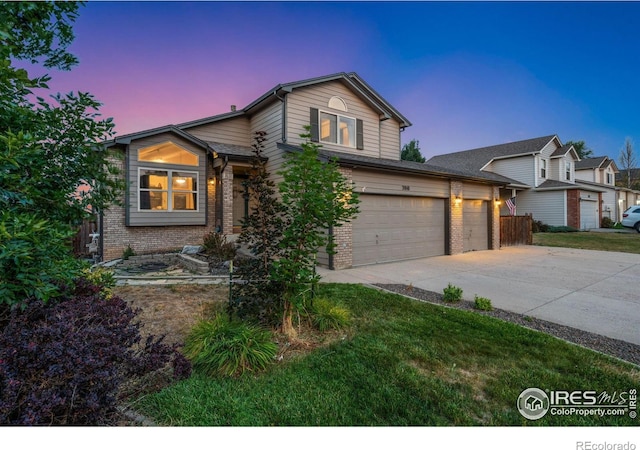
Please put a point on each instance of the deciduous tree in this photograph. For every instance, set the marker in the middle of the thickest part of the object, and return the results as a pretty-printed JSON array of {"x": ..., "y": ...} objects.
[
  {"x": 628, "y": 162},
  {"x": 48, "y": 150},
  {"x": 411, "y": 152}
]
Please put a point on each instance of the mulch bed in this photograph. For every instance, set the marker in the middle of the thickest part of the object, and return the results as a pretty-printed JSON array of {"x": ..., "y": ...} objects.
[{"x": 614, "y": 347}]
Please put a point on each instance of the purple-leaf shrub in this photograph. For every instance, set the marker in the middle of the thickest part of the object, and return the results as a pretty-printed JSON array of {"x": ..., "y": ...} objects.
[{"x": 62, "y": 363}]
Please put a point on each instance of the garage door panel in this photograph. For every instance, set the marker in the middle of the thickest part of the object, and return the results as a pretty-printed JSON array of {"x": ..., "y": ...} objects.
[
  {"x": 391, "y": 228},
  {"x": 475, "y": 225}
]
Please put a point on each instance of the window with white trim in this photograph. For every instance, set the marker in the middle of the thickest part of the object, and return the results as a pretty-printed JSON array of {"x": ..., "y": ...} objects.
[
  {"x": 567, "y": 170},
  {"x": 337, "y": 129},
  {"x": 543, "y": 168},
  {"x": 167, "y": 190}
]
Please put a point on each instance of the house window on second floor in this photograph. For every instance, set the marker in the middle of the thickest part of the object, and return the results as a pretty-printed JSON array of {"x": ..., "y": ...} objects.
[
  {"x": 567, "y": 171},
  {"x": 543, "y": 168},
  {"x": 609, "y": 178},
  {"x": 337, "y": 129}
]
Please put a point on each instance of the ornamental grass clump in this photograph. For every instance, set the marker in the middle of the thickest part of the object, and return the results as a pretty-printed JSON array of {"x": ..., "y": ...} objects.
[
  {"x": 325, "y": 315},
  {"x": 220, "y": 347}
]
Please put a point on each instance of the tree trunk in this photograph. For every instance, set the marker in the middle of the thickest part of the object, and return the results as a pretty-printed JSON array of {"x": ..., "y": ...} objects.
[{"x": 287, "y": 321}]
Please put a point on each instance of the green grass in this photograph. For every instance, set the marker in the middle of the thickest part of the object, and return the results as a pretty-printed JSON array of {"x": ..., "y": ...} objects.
[
  {"x": 612, "y": 242},
  {"x": 402, "y": 363}
]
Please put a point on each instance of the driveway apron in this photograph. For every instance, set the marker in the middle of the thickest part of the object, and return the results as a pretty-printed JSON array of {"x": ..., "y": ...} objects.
[{"x": 590, "y": 290}]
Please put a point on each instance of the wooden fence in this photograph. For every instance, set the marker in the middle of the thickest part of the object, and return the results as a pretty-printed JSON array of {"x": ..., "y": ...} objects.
[
  {"x": 82, "y": 238},
  {"x": 516, "y": 230}
]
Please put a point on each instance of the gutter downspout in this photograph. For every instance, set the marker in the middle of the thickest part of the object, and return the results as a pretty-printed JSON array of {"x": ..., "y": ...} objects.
[{"x": 283, "y": 100}]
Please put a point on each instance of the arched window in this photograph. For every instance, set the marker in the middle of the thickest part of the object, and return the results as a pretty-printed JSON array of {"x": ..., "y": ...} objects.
[
  {"x": 337, "y": 103},
  {"x": 168, "y": 153}
]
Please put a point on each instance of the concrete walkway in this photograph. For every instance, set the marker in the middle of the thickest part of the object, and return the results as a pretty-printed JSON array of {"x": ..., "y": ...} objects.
[{"x": 590, "y": 290}]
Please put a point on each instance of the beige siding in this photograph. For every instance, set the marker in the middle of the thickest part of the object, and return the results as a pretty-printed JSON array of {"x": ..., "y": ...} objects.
[
  {"x": 230, "y": 131},
  {"x": 586, "y": 175},
  {"x": 547, "y": 206},
  {"x": 477, "y": 191},
  {"x": 269, "y": 119},
  {"x": 301, "y": 100},
  {"x": 165, "y": 218},
  {"x": 521, "y": 169},
  {"x": 548, "y": 149},
  {"x": 390, "y": 139},
  {"x": 370, "y": 182}
]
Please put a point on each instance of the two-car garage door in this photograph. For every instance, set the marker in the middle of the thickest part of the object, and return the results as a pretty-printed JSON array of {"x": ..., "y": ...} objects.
[{"x": 393, "y": 228}]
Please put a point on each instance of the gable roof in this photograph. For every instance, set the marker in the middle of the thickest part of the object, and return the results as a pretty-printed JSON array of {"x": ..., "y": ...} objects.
[
  {"x": 474, "y": 160},
  {"x": 598, "y": 162},
  {"x": 562, "y": 151},
  {"x": 127, "y": 138},
  {"x": 351, "y": 80}
]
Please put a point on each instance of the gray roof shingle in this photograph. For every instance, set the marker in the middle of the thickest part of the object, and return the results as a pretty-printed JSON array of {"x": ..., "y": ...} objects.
[
  {"x": 475, "y": 159},
  {"x": 591, "y": 163}
]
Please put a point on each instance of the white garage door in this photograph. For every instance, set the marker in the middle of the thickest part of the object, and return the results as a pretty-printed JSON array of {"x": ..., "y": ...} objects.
[
  {"x": 588, "y": 214},
  {"x": 393, "y": 228},
  {"x": 475, "y": 225}
]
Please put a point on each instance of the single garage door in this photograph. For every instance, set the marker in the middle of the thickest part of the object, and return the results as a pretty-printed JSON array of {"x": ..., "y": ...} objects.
[
  {"x": 475, "y": 225},
  {"x": 588, "y": 214},
  {"x": 394, "y": 228}
]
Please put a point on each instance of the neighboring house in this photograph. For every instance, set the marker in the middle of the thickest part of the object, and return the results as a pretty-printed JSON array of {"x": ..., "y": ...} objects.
[
  {"x": 600, "y": 172},
  {"x": 543, "y": 180},
  {"x": 187, "y": 180},
  {"x": 628, "y": 197}
]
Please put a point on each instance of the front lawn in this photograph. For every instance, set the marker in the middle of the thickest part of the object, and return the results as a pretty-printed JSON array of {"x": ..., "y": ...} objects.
[
  {"x": 402, "y": 363},
  {"x": 612, "y": 242}
]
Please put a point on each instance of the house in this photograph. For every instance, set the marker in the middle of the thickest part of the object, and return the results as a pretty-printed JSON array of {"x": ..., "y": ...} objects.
[
  {"x": 186, "y": 180},
  {"x": 600, "y": 172},
  {"x": 542, "y": 174}
]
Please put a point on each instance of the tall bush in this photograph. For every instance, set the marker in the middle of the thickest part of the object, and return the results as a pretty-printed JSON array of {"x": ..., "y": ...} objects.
[{"x": 259, "y": 296}]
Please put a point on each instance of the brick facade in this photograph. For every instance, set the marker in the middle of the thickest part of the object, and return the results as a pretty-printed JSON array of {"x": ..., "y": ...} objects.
[
  {"x": 495, "y": 220},
  {"x": 456, "y": 236},
  {"x": 573, "y": 208},
  {"x": 227, "y": 199},
  {"x": 343, "y": 236}
]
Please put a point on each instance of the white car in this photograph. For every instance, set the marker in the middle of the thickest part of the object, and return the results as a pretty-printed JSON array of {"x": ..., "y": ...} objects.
[{"x": 631, "y": 218}]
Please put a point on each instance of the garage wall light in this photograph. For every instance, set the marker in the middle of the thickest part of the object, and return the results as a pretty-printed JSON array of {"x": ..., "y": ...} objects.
[{"x": 457, "y": 200}]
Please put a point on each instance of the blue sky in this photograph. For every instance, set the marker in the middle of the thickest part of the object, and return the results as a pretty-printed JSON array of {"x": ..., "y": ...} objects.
[{"x": 466, "y": 74}]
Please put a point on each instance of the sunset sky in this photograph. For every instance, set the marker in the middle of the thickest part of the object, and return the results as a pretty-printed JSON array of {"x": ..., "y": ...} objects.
[{"x": 466, "y": 74}]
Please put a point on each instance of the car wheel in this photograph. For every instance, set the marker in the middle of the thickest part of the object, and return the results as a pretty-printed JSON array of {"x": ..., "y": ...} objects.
[{"x": 637, "y": 227}]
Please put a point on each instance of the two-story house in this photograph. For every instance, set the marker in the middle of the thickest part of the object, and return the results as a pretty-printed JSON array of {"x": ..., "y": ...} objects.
[
  {"x": 186, "y": 180},
  {"x": 543, "y": 180},
  {"x": 600, "y": 172}
]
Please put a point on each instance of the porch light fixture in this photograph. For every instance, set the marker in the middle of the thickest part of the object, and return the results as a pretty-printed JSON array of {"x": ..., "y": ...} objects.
[
  {"x": 458, "y": 200},
  {"x": 211, "y": 181},
  {"x": 497, "y": 202}
]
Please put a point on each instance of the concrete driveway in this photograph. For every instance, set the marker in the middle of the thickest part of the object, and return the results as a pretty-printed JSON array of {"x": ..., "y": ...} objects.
[{"x": 591, "y": 290}]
